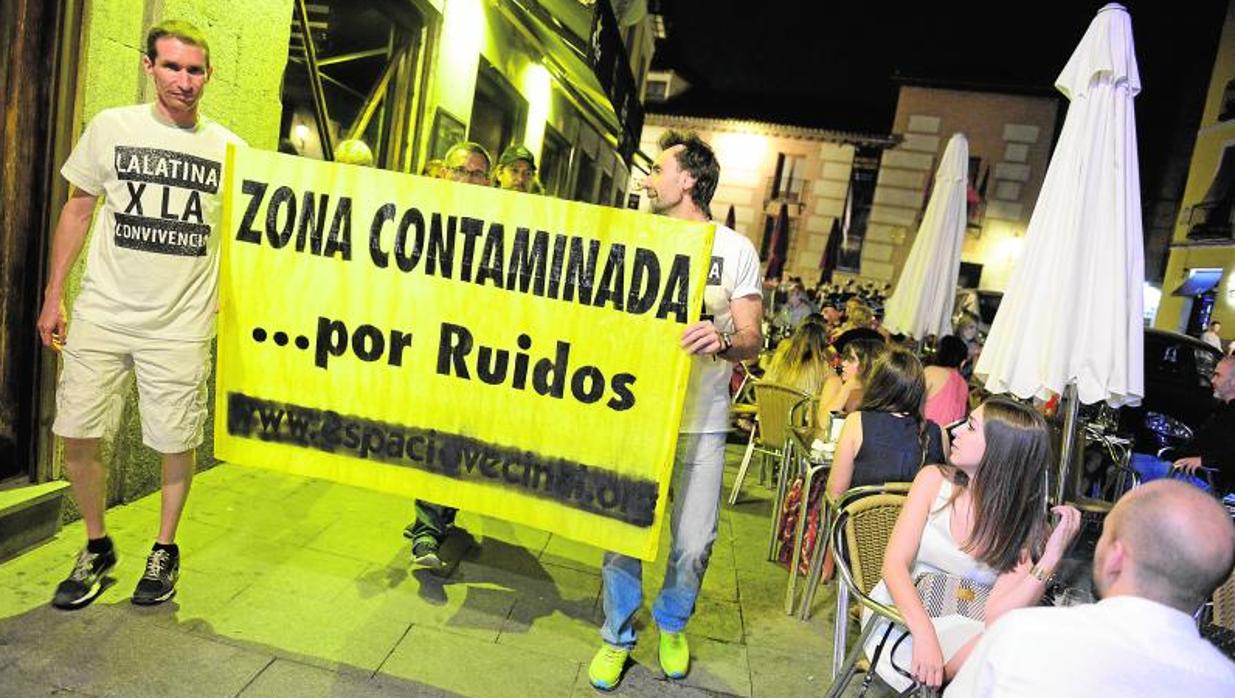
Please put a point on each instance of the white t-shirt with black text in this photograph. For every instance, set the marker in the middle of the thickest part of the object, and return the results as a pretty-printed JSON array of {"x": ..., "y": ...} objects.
[
  {"x": 153, "y": 265},
  {"x": 732, "y": 273}
]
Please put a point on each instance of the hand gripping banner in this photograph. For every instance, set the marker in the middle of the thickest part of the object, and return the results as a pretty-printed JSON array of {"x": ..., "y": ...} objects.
[{"x": 508, "y": 354}]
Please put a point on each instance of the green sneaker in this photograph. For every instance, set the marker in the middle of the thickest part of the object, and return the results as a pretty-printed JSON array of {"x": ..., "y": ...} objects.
[
  {"x": 605, "y": 671},
  {"x": 674, "y": 654}
]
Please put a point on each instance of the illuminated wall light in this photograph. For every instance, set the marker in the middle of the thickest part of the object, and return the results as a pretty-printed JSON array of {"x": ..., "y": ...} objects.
[
  {"x": 464, "y": 30},
  {"x": 538, "y": 89},
  {"x": 740, "y": 151},
  {"x": 1152, "y": 296},
  {"x": 1010, "y": 249}
]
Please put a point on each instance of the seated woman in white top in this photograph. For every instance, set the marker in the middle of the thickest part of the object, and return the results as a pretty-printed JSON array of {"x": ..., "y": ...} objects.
[{"x": 983, "y": 517}]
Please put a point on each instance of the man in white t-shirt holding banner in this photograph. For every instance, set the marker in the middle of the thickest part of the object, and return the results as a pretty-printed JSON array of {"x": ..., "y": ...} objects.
[
  {"x": 148, "y": 298},
  {"x": 681, "y": 185}
]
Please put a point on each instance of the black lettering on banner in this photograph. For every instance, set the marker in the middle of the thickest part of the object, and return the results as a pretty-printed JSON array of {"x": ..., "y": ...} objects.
[
  {"x": 491, "y": 365},
  {"x": 368, "y": 343},
  {"x": 312, "y": 222},
  {"x": 580, "y": 486},
  {"x": 256, "y": 191},
  {"x": 549, "y": 377},
  {"x": 178, "y": 238},
  {"x": 385, "y": 214},
  {"x": 441, "y": 246},
  {"x": 587, "y": 384},
  {"x": 331, "y": 340},
  {"x": 491, "y": 258},
  {"x": 527, "y": 262},
  {"x": 340, "y": 240},
  {"x": 612, "y": 280},
  {"x": 625, "y": 397},
  {"x": 644, "y": 282},
  {"x": 283, "y": 199},
  {"x": 677, "y": 286},
  {"x": 405, "y": 258},
  {"x": 455, "y": 345},
  {"x": 581, "y": 271},
  {"x": 470, "y": 228},
  {"x": 557, "y": 265},
  {"x": 167, "y": 167},
  {"x": 459, "y": 355}
]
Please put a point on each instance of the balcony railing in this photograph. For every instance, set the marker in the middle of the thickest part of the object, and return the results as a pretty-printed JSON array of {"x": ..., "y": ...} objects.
[
  {"x": 1211, "y": 221},
  {"x": 790, "y": 190}
]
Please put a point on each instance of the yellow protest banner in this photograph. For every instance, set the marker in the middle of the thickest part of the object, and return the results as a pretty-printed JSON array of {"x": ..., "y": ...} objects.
[{"x": 507, "y": 354}]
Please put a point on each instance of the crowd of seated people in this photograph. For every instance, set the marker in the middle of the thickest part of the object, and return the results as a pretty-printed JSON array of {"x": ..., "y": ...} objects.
[
  {"x": 947, "y": 391},
  {"x": 802, "y": 360},
  {"x": 887, "y": 439},
  {"x": 976, "y": 509},
  {"x": 843, "y": 392},
  {"x": 981, "y": 516}
]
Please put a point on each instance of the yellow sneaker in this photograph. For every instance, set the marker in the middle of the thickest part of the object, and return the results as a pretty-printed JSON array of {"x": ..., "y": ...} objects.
[
  {"x": 605, "y": 671},
  {"x": 674, "y": 654}
]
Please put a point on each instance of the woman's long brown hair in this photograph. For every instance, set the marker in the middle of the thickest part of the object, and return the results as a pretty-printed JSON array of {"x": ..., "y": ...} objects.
[{"x": 1009, "y": 485}]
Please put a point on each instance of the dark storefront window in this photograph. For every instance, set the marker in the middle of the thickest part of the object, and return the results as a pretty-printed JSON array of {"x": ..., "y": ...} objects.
[
  {"x": 606, "y": 188},
  {"x": 367, "y": 57},
  {"x": 554, "y": 161},
  {"x": 498, "y": 112},
  {"x": 585, "y": 178}
]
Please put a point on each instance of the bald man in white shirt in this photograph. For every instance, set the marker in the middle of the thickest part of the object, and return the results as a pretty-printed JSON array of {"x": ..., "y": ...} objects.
[{"x": 1164, "y": 549}]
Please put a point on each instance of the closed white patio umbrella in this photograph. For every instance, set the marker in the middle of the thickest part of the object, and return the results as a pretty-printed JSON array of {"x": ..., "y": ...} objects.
[
  {"x": 1072, "y": 313},
  {"x": 926, "y": 290}
]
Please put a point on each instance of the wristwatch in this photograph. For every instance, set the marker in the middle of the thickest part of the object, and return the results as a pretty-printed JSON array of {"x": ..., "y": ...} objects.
[{"x": 726, "y": 342}]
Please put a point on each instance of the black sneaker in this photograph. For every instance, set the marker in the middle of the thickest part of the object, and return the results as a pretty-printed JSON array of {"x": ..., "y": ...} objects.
[
  {"x": 85, "y": 581},
  {"x": 158, "y": 584},
  {"x": 424, "y": 553}
]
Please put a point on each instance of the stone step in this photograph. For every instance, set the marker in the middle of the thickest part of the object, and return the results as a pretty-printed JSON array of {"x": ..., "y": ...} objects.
[{"x": 29, "y": 515}]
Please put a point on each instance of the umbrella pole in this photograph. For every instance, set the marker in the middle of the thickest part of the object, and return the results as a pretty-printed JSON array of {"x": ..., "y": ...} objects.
[{"x": 1072, "y": 406}]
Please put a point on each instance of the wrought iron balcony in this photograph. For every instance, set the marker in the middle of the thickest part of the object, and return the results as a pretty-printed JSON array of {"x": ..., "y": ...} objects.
[
  {"x": 790, "y": 190},
  {"x": 1211, "y": 221}
]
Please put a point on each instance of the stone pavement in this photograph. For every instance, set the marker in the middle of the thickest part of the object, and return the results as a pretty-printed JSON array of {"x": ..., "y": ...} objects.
[{"x": 292, "y": 586}]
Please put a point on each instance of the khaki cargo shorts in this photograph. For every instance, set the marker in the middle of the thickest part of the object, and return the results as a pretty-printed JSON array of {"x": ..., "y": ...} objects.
[{"x": 171, "y": 386}]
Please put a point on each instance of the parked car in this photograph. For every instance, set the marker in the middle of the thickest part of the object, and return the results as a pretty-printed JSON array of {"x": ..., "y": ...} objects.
[
  {"x": 1179, "y": 397},
  {"x": 1179, "y": 372}
]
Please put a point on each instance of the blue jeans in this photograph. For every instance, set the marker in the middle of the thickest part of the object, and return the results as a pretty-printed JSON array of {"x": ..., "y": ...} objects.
[{"x": 697, "y": 473}]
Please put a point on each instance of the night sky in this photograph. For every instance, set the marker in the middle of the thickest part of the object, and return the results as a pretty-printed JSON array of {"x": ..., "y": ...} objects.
[{"x": 837, "y": 72}]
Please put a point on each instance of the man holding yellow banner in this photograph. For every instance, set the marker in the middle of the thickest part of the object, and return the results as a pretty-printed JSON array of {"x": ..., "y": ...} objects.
[
  {"x": 455, "y": 343},
  {"x": 148, "y": 300},
  {"x": 681, "y": 185}
]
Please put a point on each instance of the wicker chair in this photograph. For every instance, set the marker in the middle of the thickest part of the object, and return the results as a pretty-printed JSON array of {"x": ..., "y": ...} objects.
[
  {"x": 1224, "y": 604},
  {"x": 860, "y": 530},
  {"x": 773, "y": 404}
]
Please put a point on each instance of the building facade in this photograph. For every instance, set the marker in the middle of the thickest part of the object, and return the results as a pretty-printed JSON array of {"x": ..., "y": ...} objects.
[
  {"x": 408, "y": 77},
  {"x": 872, "y": 188},
  {"x": 1199, "y": 284},
  {"x": 762, "y": 166},
  {"x": 1010, "y": 140}
]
